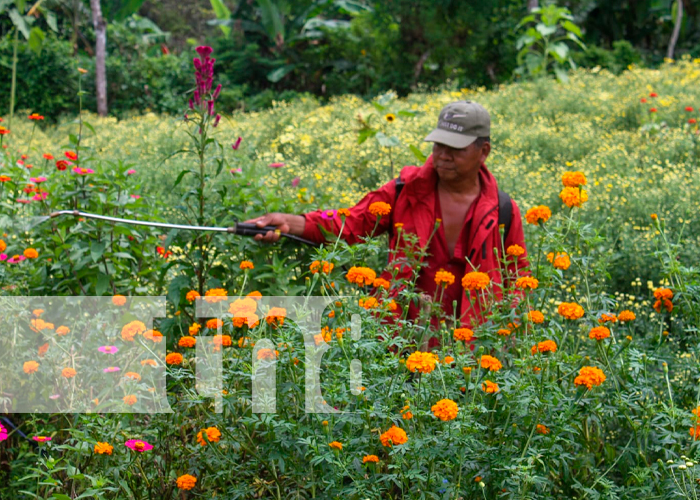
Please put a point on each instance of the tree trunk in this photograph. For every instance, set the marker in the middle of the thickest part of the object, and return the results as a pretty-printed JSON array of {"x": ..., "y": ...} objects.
[
  {"x": 676, "y": 29},
  {"x": 100, "y": 56},
  {"x": 532, "y": 4}
]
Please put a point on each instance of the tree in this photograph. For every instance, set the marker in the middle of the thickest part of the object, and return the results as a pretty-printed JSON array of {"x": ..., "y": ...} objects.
[
  {"x": 100, "y": 56},
  {"x": 676, "y": 29}
]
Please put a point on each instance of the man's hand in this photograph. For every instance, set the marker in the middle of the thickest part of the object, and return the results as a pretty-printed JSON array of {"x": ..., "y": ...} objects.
[{"x": 285, "y": 223}]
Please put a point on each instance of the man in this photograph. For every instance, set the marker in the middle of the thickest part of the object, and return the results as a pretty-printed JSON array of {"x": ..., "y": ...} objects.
[{"x": 453, "y": 186}]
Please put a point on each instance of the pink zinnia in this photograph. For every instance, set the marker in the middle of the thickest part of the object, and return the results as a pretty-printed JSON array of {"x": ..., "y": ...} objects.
[
  {"x": 3, "y": 433},
  {"x": 83, "y": 171},
  {"x": 38, "y": 180},
  {"x": 111, "y": 369},
  {"x": 41, "y": 439},
  {"x": 236, "y": 170},
  {"x": 131, "y": 171},
  {"x": 40, "y": 196},
  {"x": 138, "y": 445},
  {"x": 329, "y": 214},
  {"x": 15, "y": 259},
  {"x": 18, "y": 200},
  {"x": 296, "y": 181},
  {"x": 3, "y": 256},
  {"x": 109, "y": 349},
  {"x": 276, "y": 165},
  {"x": 135, "y": 196}
]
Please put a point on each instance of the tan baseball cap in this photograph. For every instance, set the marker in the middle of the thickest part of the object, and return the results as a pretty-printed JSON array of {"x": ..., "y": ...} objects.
[{"x": 461, "y": 123}]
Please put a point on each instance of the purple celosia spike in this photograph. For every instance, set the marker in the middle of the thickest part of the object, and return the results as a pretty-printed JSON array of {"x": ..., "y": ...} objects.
[
  {"x": 191, "y": 105},
  {"x": 197, "y": 63},
  {"x": 217, "y": 92},
  {"x": 237, "y": 143},
  {"x": 197, "y": 100},
  {"x": 204, "y": 50},
  {"x": 216, "y": 120},
  {"x": 210, "y": 106}
]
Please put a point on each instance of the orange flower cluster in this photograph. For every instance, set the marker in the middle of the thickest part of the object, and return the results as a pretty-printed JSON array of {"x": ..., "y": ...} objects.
[
  {"x": 607, "y": 318},
  {"x": 243, "y": 312},
  {"x": 361, "y": 276},
  {"x": 39, "y": 324},
  {"x": 186, "y": 482},
  {"x": 174, "y": 358},
  {"x": 103, "y": 448},
  {"x": 222, "y": 340},
  {"x": 187, "y": 341},
  {"x": 490, "y": 363},
  {"x": 544, "y": 346},
  {"x": 535, "y": 317},
  {"x": 62, "y": 330},
  {"x": 626, "y": 315},
  {"x": 379, "y": 208},
  {"x": 590, "y": 376},
  {"x": 213, "y": 436},
  {"x": 573, "y": 179},
  {"x": 599, "y": 333},
  {"x": 129, "y": 399},
  {"x": 423, "y": 362},
  {"x": 275, "y": 316},
  {"x": 192, "y": 295},
  {"x": 444, "y": 278},
  {"x": 405, "y": 414},
  {"x": 246, "y": 264},
  {"x": 527, "y": 282},
  {"x": 131, "y": 329},
  {"x": 215, "y": 295},
  {"x": 323, "y": 266},
  {"x": 394, "y": 436},
  {"x": 560, "y": 261},
  {"x": 464, "y": 334},
  {"x": 475, "y": 281},
  {"x": 540, "y": 213},
  {"x": 542, "y": 429},
  {"x": 214, "y": 324},
  {"x": 369, "y": 303},
  {"x": 267, "y": 354},
  {"x": 503, "y": 332},
  {"x": 489, "y": 387},
  {"x": 663, "y": 297},
  {"x": 570, "y": 310},
  {"x": 573, "y": 196},
  {"x": 445, "y": 410},
  {"x": 370, "y": 458},
  {"x": 133, "y": 376},
  {"x": 381, "y": 282},
  {"x": 695, "y": 432},
  {"x": 118, "y": 300},
  {"x": 68, "y": 373},
  {"x": 515, "y": 251},
  {"x": 336, "y": 445}
]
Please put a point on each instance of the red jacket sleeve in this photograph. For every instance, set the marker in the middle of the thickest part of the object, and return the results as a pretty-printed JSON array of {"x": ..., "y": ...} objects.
[{"x": 359, "y": 223}]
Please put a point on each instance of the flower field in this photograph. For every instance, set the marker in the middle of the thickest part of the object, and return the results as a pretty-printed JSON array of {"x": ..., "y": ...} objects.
[{"x": 583, "y": 387}]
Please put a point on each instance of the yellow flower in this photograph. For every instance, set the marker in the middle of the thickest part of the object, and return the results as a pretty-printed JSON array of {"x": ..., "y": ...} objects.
[
  {"x": 390, "y": 117},
  {"x": 599, "y": 333},
  {"x": 535, "y": 317},
  {"x": 545, "y": 346},
  {"x": 444, "y": 278},
  {"x": 370, "y": 458},
  {"x": 515, "y": 250},
  {"x": 187, "y": 341},
  {"x": 361, "y": 276},
  {"x": 626, "y": 316},
  {"x": 246, "y": 264},
  {"x": 560, "y": 261}
]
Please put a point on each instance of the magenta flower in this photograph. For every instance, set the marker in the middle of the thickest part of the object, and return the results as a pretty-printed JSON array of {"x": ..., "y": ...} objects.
[
  {"x": 111, "y": 369},
  {"x": 3, "y": 433},
  {"x": 41, "y": 439},
  {"x": 40, "y": 196},
  {"x": 296, "y": 181},
  {"x": 204, "y": 51},
  {"x": 109, "y": 349},
  {"x": 18, "y": 200},
  {"x": 217, "y": 118},
  {"x": 276, "y": 165},
  {"x": 138, "y": 445},
  {"x": 3, "y": 256},
  {"x": 131, "y": 171},
  {"x": 16, "y": 259},
  {"x": 329, "y": 214},
  {"x": 38, "y": 180},
  {"x": 54, "y": 396},
  {"x": 204, "y": 76},
  {"x": 135, "y": 196},
  {"x": 236, "y": 144},
  {"x": 83, "y": 171}
]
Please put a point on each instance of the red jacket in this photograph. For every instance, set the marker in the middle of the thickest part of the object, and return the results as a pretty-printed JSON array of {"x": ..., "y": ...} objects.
[{"x": 416, "y": 208}]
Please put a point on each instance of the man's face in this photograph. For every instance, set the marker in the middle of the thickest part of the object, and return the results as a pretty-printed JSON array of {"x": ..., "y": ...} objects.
[{"x": 457, "y": 164}]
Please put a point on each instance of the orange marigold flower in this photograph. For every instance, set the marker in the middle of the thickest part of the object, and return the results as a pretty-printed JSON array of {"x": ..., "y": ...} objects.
[
  {"x": 573, "y": 197},
  {"x": 665, "y": 302},
  {"x": 626, "y": 315},
  {"x": 475, "y": 281},
  {"x": 213, "y": 436},
  {"x": 599, "y": 333},
  {"x": 186, "y": 482},
  {"x": 464, "y": 334},
  {"x": 243, "y": 342},
  {"x": 448, "y": 360},
  {"x": 695, "y": 432},
  {"x": 131, "y": 329},
  {"x": 368, "y": 303},
  {"x": 133, "y": 376},
  {"x": 153, "y": 335},
  {"x": 370, "y": 458},
  {"x": 444, "y": 278},
  {"x": 515, "y": 250},
  {"x": 174, "y": 358},
  {"x": 544, "y": 346},
  {"x": 490, "y": 363},
  {"x": 570, "y": 310},
  {"x": 276, "y": 315},
  {"x": 421, "y": 361},
  {"x": 445, "y": 409},
  {"x": 696, "y": 412},
  {"x": 214, "y": 324},
  {"x": 118, "y": 300},
  {"x": 381, "y": 282},
  {"x": 103, "y": 448},
  {"x": 192, "y": 295},
  {"x": 489, "y": 387},
  {"x": 31, "y": 253},
  {"x": 536, "y": 214},
  {"x": 654, "y": 217},
  {"x": 187, "y": 341},
  {"x": 215, "y": 295},
  {"x": 323, "y": 266},
  {"x": 504, "y": 332},
  {"x": 467, "y": 370},
  {"x": 535, "y": 317},
  {"x": 394, "y": 436},
  {"x": 573, "y": 179},
  {"x": 129, "y": 399},
  {"x": 62, "y": 330},
  {"x": 246, "y": 264},
  {"x": 194, "y": 328},
  {"x": 344, "y": 212},
  {"x": 379, "y": 208},
  {"x": 407, "y": 415},
  {"x": 68, "y": 373},
  {"x": 663, "y": 293},
  {"x": 560, "y": 261},
  {"x": 361, "y": 275},
  {"x": 243, "y": 307},
  {"x": 527, "y": 282},
  {"x": 42, "y": 350},
  {"x": 267, "y": 354},
  {"x": 542, "y": 429},
  {"x": 589, "y": 376},
  {"x": 222, "y": 340},
  {"x": 39, "y": 324},
  {"x": 149, "y": 362},
  {"x": 336, "y": 445},
  {"x": 607, "y": 318}
]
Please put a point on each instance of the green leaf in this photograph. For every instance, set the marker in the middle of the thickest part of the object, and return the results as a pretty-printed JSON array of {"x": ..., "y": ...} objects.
[
  {"x": 73, "y": 138},
  {"x": 96, "y": 250},
  {"x": 61, "y": 496},
  {"x": 569, "y": 26},
  {"x": 365, "y": 134},
  {"x": 222, "y": 13},
  {"x": 90, "y": 127},
  {"x": 175, "y": 288},
  {"x": 277, "y": 74},
  {"x": 20, "y": 24},
  {"x": 51, "y": 21},
  {"x": 387, "y": 142},
  {"x": 378, "y": 107},
  {"x": 102, "y": 284},
  {"x": 417, "y": 153},
  {"x": 559, "y": 50},
  {"x": 525, "y": 20},
  {"x": 561, "y": 74},
  {"x": 545, "y": 30},
  {"x": 180, "y": 176},
  {"x": 128, "y": 8}
]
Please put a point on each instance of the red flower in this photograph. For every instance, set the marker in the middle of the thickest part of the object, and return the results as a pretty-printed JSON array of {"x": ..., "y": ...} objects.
[
  {"x": 161, "y": 251},
  {"x": 689, "y": 109},
  {"x": 71, "y": 155},
  {"x": 36, "y": 116},
  {"x": 61, "y": 165},
  {"x": 48, "y": 156},
  {"x": 653, "y": 94},
  {"x": 643, "y": 100},
  {"x": 652, "y": 110},
  {"x": 692, "y": 121}
]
